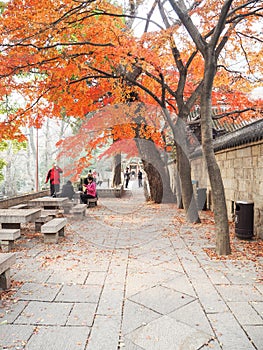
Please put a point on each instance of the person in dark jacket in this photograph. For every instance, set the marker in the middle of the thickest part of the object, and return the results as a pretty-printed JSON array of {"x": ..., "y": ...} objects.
[
  {"x": 139, "y": 178},
  {"x": 53, "y": 176},
  {"x": 127, "y": 176},
  {"x": 68, "y": 190}
]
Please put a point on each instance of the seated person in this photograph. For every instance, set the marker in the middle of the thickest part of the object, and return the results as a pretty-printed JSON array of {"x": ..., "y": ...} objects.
[
  {"x": 68, "y": 190},
  {"x": 89, "y": 190}
]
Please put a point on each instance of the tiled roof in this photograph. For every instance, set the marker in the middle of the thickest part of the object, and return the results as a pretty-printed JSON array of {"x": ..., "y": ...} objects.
[
  {"x": 252, "y": 132},
  {"x": 249, "y": 133},
  {"x": 223, "y": 125}
]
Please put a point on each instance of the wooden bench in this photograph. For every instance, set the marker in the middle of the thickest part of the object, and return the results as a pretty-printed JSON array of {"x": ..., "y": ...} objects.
[
  {"x": 79, "y": 210},
  {"x": 91, "y": 202},
  {"x": 7, "y": 238},
  {"x": 52, "y": 229},
  {"x": 6, "y": 261}
]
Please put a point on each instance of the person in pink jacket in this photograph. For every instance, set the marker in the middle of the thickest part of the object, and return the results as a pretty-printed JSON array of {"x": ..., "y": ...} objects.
[{"x": 89, "y": 191}]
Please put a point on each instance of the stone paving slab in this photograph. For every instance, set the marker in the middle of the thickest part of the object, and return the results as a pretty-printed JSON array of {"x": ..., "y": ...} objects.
[
  {"x": 193, "y": 315},
  {"x": 166, "y": 333},
  {"x": 105, "y": 333},
  {"x": 135, "y": 316},
  {"x": 96, "y": 277},
  {"x": 258, "y": 306},
  {"x": 66, "y": 276},
  {"x": 259, "y": 287},
  {"x": 161, "y": 299},
  {"x": 82, "y": 314},
  {"x": 12, "y": 311},
  {"x": 34, "y": 275},
  {"x": 180, "y": 283},
  {"x": 245, "y": 313},
  {"x": 43, "y": 313},
  {"x": 230, "y": 335},
  {"x": 79, "y": 293},
  {"x": 36, "y": 291},
  {"x": 111, "y": 300},
  {"x": 14, "y": 336},
  {"x": 239, "y": 293},
  {"x": 142, "y": 276},
  {"x": 59, "y": 338},
  {"x": 255, "y": 333}
]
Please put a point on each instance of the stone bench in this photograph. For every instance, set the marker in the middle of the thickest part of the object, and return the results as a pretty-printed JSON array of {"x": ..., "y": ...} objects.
[
  {"x": 7, "y": 238},
  {"x": 79, "y": 210},
  {"x": 67, "y": 207},
  {"x": 76, "y": 197},
  {"x": 91, "y": 202},
  {"x": 52, "y": 213},
  {"x": 19, "y": 206},
  {"x": 52, "y": 229},
  {"x": 6, "y": 261},
  {"x": 44, "y": 218}
]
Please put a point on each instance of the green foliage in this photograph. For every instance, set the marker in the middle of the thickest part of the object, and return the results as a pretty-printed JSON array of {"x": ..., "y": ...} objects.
[
  {"x": 2, "y": 6},
  {"x": 18, "y": 146},
  {"x": 3, "y": 146}
]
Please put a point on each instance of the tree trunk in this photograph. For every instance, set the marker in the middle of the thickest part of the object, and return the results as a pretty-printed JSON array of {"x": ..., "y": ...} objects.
[
  {"x": 158, "y": 175},
  {"x": 188, "y": 198},
  {"x": 116, "y": 170},
  {"x": 10, "y": 184},
  {"x": 218, "y": 192},
  {"x": 178, "y": 188},
  {"x": 155, "y": 182},
  {"x": 183, "y": 166},
  {"x": 29, "y": 163}
]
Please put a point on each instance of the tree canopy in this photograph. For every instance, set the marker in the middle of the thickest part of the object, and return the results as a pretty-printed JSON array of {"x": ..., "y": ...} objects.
[{"x": 64, "y": 58}]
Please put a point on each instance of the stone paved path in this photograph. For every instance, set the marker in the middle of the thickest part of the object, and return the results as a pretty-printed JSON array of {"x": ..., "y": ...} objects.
[{"x": 132, "y": 276}]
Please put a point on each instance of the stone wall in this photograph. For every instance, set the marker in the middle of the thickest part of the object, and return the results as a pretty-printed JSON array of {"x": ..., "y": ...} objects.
[
  {"x": 242, "y": 173},
  {"x": 22, "y": 199}
]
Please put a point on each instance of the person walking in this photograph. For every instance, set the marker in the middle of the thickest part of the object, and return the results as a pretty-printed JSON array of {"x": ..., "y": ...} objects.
[
  {"x": 127, "y": 176},
  {"x": 139, "y": 178},
  {"x": 53, "y": 176}
]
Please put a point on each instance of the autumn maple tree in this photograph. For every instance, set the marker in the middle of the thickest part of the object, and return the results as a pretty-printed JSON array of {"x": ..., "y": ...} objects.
[{"x": 73, "y": 58}]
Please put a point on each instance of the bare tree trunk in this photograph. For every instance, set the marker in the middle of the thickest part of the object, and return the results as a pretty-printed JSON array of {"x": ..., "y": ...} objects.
[
  {"x": 47, "y": 159},
  {"x": 184, "y": 167},
  {"x": 29, "y": 163},
  {"x": 218, "y": 192},
  {"x": 10, "y": 185},
  {"x": 155, "y": 182},
  {"x": 157, "y": 173},
  {"x": 116, "y": 170},
  {"x": 33, "y": 159},
  {"x": 178, "y": 189}
]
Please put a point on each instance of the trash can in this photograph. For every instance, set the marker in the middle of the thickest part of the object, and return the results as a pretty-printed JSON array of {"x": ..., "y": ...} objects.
[
  {"x": 244, "y": 220},
  {"x": 201, "y": 198}
]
